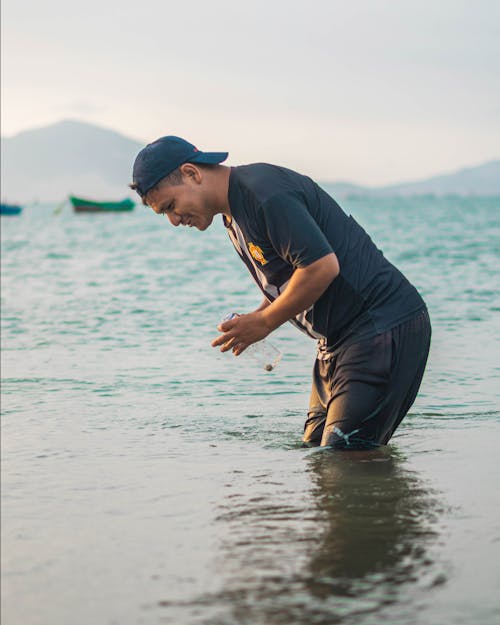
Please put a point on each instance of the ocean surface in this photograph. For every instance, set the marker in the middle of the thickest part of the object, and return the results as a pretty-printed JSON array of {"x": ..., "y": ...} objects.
[{"x": 149, "y": 479}]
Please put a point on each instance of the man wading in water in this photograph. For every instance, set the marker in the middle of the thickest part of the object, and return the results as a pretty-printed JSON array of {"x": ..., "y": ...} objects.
[{"x": 318, "y": 269}]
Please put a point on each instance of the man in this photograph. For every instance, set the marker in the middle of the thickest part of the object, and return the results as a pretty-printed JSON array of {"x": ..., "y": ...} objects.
[{"x": 316, "y": 268}]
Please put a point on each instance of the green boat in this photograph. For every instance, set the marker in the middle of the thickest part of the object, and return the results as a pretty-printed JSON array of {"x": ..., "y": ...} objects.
[{"x": 81, "y": 205}]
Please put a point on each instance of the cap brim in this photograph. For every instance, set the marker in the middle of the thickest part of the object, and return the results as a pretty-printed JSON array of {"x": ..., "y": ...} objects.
[{"x": 210, "y": 158}]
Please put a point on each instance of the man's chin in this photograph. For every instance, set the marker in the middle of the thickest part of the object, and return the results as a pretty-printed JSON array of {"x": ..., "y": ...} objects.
[{"x": 204, "y": 226}]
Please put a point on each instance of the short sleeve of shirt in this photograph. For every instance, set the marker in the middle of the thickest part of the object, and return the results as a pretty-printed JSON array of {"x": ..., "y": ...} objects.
[{"x": 292, "y": 230}]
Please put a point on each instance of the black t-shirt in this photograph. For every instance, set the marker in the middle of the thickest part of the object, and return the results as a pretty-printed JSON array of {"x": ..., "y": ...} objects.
[{"x": 281, "y": 220}]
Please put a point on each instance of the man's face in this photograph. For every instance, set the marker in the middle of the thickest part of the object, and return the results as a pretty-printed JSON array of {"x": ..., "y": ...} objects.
[{"x": 186, "y": 204}]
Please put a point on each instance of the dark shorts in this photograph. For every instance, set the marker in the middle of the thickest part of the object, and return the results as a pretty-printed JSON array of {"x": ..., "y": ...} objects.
[{"x": 361, "y": 394}]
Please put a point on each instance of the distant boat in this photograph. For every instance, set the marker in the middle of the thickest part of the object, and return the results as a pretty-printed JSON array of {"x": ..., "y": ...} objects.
[
  {"x": 10, "y": 209},
  {"x": 81, "y": 205}
]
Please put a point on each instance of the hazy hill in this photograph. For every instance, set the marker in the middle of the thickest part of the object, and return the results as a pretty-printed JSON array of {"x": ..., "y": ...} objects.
[
  {"x": 480, "y": 180},
  {"x": 47, "y": 164}
]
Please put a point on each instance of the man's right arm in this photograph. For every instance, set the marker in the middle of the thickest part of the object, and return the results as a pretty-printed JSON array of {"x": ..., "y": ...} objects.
[
  {"x": 304, "y": 288},
  {"x": 264, "y": 304}
]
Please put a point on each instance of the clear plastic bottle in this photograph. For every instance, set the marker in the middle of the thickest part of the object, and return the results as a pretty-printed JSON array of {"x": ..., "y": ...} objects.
[{"x": 263, "y": 352}]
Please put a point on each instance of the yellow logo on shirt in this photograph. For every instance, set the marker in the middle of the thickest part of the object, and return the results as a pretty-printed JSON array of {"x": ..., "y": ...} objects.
[{"x": 257, "y": 253}]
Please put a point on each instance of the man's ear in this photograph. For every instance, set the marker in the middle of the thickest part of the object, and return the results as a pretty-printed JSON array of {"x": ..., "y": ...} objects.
[{"x": 191, "y": 172}]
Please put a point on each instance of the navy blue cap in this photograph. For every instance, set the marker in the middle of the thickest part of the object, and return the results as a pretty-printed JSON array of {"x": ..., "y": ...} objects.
[{"x": 160, "y": 158}]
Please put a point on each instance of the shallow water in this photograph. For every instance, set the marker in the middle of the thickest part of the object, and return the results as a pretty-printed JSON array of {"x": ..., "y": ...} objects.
[{"x": 147, "y": 478}]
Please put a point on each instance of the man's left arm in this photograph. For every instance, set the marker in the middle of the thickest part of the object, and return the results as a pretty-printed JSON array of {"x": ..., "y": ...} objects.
[{"x": 305, "y": 287}]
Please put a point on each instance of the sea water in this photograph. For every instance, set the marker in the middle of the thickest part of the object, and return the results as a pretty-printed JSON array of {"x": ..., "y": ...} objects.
[{"x": 148, "y": 478}]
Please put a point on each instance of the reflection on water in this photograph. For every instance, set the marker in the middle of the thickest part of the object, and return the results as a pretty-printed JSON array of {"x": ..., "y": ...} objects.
[
  {"x": 377, "y": 521},
  {"x": 356, "y": 544}
]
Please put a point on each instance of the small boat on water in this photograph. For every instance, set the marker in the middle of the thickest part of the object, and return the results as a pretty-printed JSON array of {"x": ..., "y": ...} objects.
[
  {"x": 10, "y": 209},
  {"x": 81, "y": 205}
]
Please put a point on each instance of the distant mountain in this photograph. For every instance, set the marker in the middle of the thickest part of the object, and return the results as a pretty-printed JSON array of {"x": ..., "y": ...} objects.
[
  {"x": 47, "y": 164},
  {"x": 480, "y": 180}
]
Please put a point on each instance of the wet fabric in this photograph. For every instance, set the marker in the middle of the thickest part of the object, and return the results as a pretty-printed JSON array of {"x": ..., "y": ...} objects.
[{"x": 363, "y": 391}]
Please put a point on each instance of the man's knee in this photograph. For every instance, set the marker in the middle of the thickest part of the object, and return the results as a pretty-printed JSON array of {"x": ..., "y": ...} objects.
[
  {"x": 337, "y": 436},
  {"x": 313, "y": 428}
]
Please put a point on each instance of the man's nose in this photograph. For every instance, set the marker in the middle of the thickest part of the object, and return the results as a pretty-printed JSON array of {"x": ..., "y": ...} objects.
[{"x": 175, "y": 220}]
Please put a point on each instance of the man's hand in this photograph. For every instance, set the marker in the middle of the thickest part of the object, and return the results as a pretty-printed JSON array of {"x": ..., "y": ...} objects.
[
  {"x": 240, "y": 332},
  {"x": 305, "y": 287}
]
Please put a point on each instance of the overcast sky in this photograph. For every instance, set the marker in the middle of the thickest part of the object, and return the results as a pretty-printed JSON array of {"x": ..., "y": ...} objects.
[{"x": 371, "y": 91}]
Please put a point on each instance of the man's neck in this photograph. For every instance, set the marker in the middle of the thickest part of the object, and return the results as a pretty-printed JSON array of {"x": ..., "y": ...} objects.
[{"x": 221, "y": 181}]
